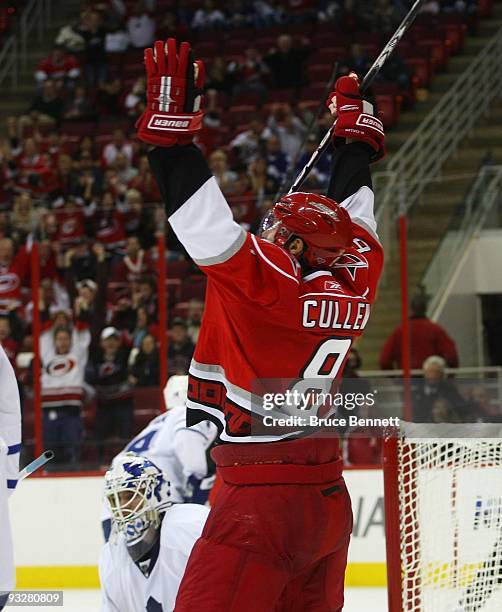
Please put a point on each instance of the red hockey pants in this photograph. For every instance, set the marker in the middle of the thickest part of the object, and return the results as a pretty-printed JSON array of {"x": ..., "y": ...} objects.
[{"x": 277, "y": 537}]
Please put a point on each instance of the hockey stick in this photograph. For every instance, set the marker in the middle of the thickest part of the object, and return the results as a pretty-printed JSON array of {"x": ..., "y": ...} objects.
[
  {"x": 44, "y": 458},
  {"x": 366, "y": 82}
]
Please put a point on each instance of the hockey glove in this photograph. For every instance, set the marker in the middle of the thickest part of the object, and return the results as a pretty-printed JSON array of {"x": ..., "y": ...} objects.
[
  {"x": 354, "y": 116},
  {"x": 174, "y": 94}
]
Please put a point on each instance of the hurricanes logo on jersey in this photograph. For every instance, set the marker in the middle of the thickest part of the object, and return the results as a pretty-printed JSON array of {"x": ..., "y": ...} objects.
[
  {"x": 351, "y": 262},
  {"x": 59, "y": 366}
]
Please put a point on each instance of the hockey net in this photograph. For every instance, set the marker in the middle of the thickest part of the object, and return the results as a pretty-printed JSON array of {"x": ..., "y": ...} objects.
[{"x": 444, "y": 523}]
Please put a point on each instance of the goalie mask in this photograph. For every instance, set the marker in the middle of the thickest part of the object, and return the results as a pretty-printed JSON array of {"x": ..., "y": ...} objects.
[
  {"x": 175, "y": 392},
  {"x": 323, "y": 225},
  {"x": 138, "y": 494}
]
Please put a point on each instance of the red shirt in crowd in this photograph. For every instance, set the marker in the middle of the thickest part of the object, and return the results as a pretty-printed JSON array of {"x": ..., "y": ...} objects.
[
  {"x": 12, "y": 277},
  {"x": 427, "y": 338}
]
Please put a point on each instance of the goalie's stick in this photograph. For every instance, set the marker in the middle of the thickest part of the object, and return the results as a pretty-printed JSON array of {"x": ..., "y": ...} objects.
[
  {"x": 366, "y": 82},
  {"x": 44, "y": 458}
]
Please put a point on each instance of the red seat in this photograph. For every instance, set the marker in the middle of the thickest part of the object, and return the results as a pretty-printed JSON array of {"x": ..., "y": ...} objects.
[
  {"x": 193, "y": 290},
  {"x": 78, "y": 128},
  {"x": 422, "y": 70},
  {"x": 319, "y": 72},
  {"x": 178, "y": 269},
  {"x": 437, "y": 51},
  {"x": 240, "y": 114},
  {"x": 247, "y": 97},
  {"x": 388, "y": 109},
  {"x": 281, "y": 96}
]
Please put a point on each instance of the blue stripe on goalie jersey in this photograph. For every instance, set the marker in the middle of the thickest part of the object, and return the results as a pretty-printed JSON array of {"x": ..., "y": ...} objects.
[
  {"x": 11, "y": 484},
  {"x": 14, "y": 448},
  {"x": 142, "y": 443}
]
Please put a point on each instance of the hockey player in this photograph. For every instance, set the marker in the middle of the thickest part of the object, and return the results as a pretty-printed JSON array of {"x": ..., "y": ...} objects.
[
  {"x": 141, "y": 567},
  {"x": 10, "y": 447},
  {"x": 284, "y": 305},
  {"x": 181, "y": 452}
]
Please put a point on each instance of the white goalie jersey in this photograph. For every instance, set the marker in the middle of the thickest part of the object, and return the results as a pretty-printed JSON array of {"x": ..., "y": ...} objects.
[
  {"x": 10, "y": 446},
  {"x": 130, "y": 587}
]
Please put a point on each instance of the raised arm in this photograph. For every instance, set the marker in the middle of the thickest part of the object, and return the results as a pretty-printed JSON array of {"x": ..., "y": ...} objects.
[
  {"x": 359, "y": 141},
  {"x": 194, "y": 203}
]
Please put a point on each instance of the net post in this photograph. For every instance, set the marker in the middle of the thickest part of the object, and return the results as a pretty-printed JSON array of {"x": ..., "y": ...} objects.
[
  {"x": 405, "y": 321},
  {"x": 392, "y": 522},
  {"x": 36, "y": 365},
  {"x": 162, "y": 302}
]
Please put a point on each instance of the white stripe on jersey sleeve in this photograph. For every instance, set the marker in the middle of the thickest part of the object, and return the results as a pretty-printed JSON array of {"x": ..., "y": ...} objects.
[
  {"x": 206, "y": 227},
  {"x": 360, "y": 206}
]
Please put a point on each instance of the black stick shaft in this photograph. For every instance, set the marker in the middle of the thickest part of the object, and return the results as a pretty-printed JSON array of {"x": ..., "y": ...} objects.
[{"x": 366, "y": 82}]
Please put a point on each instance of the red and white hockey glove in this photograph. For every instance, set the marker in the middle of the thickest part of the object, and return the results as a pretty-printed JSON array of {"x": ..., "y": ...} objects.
[
  {"x": 174, "y": 94},
  {"x": 355, "y": 118}
]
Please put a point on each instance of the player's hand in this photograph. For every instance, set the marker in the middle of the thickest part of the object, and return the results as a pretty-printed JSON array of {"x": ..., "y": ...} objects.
[
  {"x": 355, "y": 118},
  {"x": 174, "y": 93}
]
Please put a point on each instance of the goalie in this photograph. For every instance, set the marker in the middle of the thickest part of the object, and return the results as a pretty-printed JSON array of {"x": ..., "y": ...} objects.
[
  {"x": 141, "y": 567},
  {"x": 285, "y": 304}
]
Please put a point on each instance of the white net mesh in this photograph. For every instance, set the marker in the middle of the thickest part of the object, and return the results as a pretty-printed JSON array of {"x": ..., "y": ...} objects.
[{"x": 450, "y": 498}]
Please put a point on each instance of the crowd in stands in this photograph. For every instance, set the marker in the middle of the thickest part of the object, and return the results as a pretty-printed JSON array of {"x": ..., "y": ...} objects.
[{"x": 75, "y": 179}]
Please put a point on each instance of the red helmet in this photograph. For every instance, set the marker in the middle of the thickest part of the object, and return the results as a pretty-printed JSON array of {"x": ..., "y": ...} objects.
[{"x": 320, "y": 222}]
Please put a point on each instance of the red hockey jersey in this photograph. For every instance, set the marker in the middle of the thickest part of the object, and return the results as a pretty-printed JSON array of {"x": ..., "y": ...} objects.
[{"x": 262, "y": 318}]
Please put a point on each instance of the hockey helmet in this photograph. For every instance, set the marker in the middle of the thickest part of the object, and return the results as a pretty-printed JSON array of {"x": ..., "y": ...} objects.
[
  {"x": 323, "y": 225},
  {"x": 137, "y": 493},
  {"x": 175, "y": 392}
]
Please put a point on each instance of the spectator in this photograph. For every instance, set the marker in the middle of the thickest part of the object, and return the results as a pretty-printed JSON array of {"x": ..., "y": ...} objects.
[
  {"x": 357, "y": 62},
  {"x": 7, "y": 340},
  {"x": 145, "y": 295},
  {"x": 25, "y": 218},
  {"x": 261, "y": 181},
  {"x": 117, "y": 39},
  {"x": 81, "y": 260},
  {"x": 94, "y": 35},
  {"x": 109, "y": 224},
  {"x": 141, "y": 26},
  {"x": 71, "y": 221},
  {"x": 142, "y": 327},
  {"x": 47, "y": 108},
  {"x": 194, "y": 318},
  {"x": 319, "y": 175},
  {"x": 250, "y": 73},
  {"x": 108, "y": 373},
  {"x": 208, "y": 17},
  {"x": 248, "y": 144},
  {"x": 145, "y": 183},
  {"x": 135, "y": 100},
  {"x": 135, "y": 263},
  {"x": 218, "y": 76},
  {"x": 80, "y": 107},
  {"x": 290, "y": 130},
  {"x": 145, "y": 370},
  {"x": 277, "y": 161},
  {"x": 119, "y": 144},
  {"x": 123, "y": 168},
  {"x": 180, "y": 348},
  {"x": 69, "y": 38},
  {"x": 59, "y": 66},
  {"x": 286, "y": 62},
  {"x": 443, "y": 412},
  {"x": 433, "y": 387},
  {"x": 218, "y": 162},
  {"x": 13, "y": 271},
  {"x": 53, "y": 298},
  {"x": 427, "y": 338},
  {"x": 268, "y": 13},
  {"x": 63, "y": 353},
  {"x": 109, "y": 99}
]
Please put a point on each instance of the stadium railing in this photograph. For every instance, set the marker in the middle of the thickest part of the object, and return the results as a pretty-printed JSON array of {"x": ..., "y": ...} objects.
[
  {"x": 442, "y": 271},
  {"x": 438, "y": 136},
  {"x": 36, "y": 17}
]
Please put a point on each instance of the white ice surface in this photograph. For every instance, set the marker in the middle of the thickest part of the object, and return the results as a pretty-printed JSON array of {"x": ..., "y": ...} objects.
[{"x": 356, "y": 600}]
